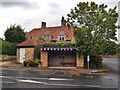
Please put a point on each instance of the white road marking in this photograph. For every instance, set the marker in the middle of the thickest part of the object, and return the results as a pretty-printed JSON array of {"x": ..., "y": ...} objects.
[
  {"x": 30, "y": 81},
  {"x": 59, "y": 79},
  {"x": 6, "y": 82},
  {"x": 2, "y": 76},
  {"x": 7, "y": 77},
  {"x": 32, "y": 78},
  {"x": 22, "y": 77},
  {"x": 64, "y": 85},
  {"x": 106, "y": 77},
  {"x": 37, "y": 82},
  {"x": 92, "y": 86}
]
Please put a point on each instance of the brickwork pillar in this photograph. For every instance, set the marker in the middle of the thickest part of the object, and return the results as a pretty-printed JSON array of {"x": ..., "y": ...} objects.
[
  {"x": 79, "y": 61},
  {"x": 44, "y": 59}
]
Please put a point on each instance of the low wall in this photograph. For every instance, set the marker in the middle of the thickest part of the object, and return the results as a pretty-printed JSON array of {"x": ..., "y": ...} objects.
[{"x": 7, "y": 57}]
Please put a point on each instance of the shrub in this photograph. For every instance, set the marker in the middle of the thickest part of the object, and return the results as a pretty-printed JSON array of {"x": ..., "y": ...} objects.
[
  {"x": 26, "y": 63},
  {"x": 32, "y": 63},
  {"x": 95, "y": 61},
  {"x": 37, "y": 52}
]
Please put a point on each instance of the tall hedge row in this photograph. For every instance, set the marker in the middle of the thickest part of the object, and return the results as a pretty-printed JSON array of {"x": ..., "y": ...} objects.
[{"x": 8, "y": 48}]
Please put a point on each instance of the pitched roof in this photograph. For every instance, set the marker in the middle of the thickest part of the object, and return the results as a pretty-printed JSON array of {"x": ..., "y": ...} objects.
[
  {"x": 30, "y": 42},
  {"x": 54, "y": 32}
]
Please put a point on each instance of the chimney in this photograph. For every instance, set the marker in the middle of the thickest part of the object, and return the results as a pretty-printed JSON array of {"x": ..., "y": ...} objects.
[
  {"x": 63, "y": 21},
  {"x": 43, "y": 24}
]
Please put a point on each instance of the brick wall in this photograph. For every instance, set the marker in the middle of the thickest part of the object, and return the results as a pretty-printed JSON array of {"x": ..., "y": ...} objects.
[
  {"x": 44, "y": 59},
  {"x": 79, "y": 61},
  {"x": 7, "y": 57},
  {"x": 18, "y": 55},
  {"x": 29, "y": 53}
]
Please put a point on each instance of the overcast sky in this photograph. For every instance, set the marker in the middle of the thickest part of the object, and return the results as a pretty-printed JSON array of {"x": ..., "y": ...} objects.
[{"x": 30, "y": 13}]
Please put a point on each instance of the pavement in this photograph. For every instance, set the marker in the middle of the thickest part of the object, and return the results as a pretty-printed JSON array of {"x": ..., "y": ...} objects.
[{"x": 72, "y": 71}]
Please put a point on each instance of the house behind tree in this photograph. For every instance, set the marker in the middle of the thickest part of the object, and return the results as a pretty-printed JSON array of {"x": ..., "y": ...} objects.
[{"x": 53, "y": 56}]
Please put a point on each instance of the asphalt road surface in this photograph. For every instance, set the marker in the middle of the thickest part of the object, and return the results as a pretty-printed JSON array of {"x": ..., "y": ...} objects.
[
  {"x": 112, "y": 63},
  {"x": 30, "y": 79}
]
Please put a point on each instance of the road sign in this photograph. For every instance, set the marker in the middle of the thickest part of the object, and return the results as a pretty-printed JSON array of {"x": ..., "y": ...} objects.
[{"x": 88, "y": 58}]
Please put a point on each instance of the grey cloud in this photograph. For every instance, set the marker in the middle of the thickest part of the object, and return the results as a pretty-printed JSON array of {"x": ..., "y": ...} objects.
[
  {"x": 54, "y": 8},
  {"x": 53, "y": 5},
  {"x": 23, "y": 4},
  {"x": 111, "y": 4}
]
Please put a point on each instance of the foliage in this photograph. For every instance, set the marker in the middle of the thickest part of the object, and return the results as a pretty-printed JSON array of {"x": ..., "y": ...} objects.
[
  {"x": 37, "y": 52},
  {"x": 95, "y": 30},
  {"x": 66, "y": 44},
  {"x": 32, "y": 63},
  {"x": 8, "y": 48},
  {"x": 94, "y": 27},
  {"x": 111, "y": 48},
  {"x": 58, "y": 45},
  {"x": 95, "y": 61},
  {"x": 15, "y": 33},
  {"x": 26, "y": 63}
]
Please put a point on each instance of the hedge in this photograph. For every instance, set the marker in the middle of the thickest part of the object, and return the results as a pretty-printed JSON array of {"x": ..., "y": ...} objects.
[{"x": 8, "y": 48}]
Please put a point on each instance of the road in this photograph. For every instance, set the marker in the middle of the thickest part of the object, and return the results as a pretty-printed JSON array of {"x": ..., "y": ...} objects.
[
  {"x": 32, "y": 79},
  {"x": 112, "y": 63}
]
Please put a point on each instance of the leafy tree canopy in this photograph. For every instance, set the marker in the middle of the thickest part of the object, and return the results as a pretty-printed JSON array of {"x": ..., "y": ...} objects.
[
  {"x": 94, "y": 26},
  {"x": 15, "y": 33}
]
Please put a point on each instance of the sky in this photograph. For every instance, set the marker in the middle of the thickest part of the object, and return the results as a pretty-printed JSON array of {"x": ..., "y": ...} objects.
[{"x": 30, "y": 13}]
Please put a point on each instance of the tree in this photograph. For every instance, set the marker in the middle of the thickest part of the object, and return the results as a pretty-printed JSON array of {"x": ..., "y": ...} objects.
[
  {"x": 94, "y": 29},
  {"x": 94, "y": 26},
  {"x": 15, "y": 33}
]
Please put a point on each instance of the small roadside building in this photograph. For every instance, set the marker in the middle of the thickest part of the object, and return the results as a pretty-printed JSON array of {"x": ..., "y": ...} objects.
[{"x": 51, "y": 56}]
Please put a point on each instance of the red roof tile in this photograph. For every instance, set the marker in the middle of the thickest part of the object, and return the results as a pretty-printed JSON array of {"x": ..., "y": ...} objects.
[
  {"x": 54, "y": 31},
  {"x": 30, "y": 42}
]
